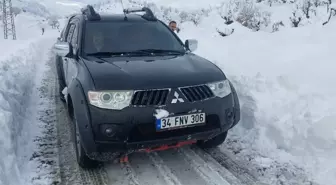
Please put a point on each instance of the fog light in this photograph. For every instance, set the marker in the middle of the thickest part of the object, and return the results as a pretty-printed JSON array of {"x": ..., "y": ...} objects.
[{"x": 109, "y": 132}]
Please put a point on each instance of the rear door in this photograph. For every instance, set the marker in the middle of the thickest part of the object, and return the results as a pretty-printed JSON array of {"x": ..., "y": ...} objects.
[
  {"x": 72, "y": 63},
  {"x": 67, "y": 59}
]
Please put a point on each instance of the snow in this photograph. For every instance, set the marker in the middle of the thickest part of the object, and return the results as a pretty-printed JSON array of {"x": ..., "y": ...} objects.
[
  {"x": 16, "y": 87},
  {"x": 284, "y": 82},
  {"x": 65, "y": 92},
  {"x": 161, "y": 113},
  {"x": 20, "y": 64},
  {"x": 46, "y": 8},
  {"x": 28, "y": 26}
]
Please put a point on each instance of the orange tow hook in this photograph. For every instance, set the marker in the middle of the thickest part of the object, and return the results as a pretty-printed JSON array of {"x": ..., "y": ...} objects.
[{"x": 124, "y": 159}]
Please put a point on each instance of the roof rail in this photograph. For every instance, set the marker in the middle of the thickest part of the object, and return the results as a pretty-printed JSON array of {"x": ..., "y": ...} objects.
[
  {"x": 91, "y": 14},
  {"x": 148, "y": 13}
]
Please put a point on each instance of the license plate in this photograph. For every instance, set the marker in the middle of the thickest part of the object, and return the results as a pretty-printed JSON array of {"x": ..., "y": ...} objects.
[{"x": 180, "y": 121}]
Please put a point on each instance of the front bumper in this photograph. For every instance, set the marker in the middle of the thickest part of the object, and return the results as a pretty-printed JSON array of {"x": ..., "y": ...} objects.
[
  {"x": 108, "y": 146},
  {"x": 134, "y": 127}
]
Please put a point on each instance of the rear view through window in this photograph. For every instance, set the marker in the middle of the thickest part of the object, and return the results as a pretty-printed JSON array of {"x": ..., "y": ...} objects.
[{"x": 126, "y": 36}]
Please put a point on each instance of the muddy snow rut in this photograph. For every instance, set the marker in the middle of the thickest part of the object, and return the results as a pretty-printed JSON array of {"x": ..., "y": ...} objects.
[{"x": 189, "y": 165}]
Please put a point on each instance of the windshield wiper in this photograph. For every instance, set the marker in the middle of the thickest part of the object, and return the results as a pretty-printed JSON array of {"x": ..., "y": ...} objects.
[
  {"x": 108, "y": 54},
  {"x": 140, "y": 52},
  {"x": 158, "y": 51}
]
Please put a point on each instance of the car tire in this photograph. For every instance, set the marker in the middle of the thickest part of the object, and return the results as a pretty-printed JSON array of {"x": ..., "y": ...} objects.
[
  {"x": 213, "y": 142},
  {"x": 82, "y": 159}
]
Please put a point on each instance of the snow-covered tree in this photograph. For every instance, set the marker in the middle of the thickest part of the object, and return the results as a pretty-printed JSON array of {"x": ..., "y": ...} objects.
[
  {"x": 275, "y": 26},
  {"x": 296, "y": 17},
  {"x": 53, "y": 21},
  {"x": 245, "y": 12}
]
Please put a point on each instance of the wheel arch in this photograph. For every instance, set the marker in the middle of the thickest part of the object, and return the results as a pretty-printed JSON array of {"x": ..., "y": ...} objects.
[
  {"x": 236, "y": 105},
  {"x": 78, "y": 104}
]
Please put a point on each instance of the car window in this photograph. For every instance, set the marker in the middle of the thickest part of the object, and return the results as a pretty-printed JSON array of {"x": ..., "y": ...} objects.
[
  {"x": 71, "y": 30},
  {"x": 104, "y": 36},
  {"x": 74, "y": 37},
  {"x": 62, "y": 33}
]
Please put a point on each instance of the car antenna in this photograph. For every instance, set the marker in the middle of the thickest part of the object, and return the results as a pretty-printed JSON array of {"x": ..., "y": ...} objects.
[{"x": 122, "y": 5}]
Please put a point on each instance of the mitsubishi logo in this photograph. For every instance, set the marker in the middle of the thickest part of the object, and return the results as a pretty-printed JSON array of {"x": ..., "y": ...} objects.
[{"x": 176, "y": 99}]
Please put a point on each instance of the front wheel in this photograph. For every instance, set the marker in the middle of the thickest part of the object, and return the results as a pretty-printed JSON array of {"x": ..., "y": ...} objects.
[
  {"x": 213, "y": 142},
  {"x": 82, "y": 159}
]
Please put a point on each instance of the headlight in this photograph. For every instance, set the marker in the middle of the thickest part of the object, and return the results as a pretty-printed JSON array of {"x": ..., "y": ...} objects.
[
  {"x": 116, "y": 100},
  {"x": 221, "y": 88}
]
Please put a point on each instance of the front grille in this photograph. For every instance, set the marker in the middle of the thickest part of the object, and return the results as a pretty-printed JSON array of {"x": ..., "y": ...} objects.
[
  {"x": 197, "y": 93},
  {"x": 150, "y": 97}
]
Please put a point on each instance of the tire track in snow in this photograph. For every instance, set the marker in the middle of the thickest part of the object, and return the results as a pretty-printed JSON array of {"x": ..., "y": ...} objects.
[
  {"x": 237, "y": 170},
  {"x": 142, "y": 169},
  {"x": 180, "y": 167},
  {"x": 132, "y": 178},
  {"x": 204, "y": 164},
  {"x": 169, "y": 177},
  {"x": 46, "y": 152},
  {"x": 121, "y": 174},
  {"x": 173, "y": 167}
]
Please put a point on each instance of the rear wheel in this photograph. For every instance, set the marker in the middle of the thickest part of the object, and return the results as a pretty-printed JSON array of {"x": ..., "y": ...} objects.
[
  {"x": 213, "y": 142},
  {"x": 82, "y": 159}
]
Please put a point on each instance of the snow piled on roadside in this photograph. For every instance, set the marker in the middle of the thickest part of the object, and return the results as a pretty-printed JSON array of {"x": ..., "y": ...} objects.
[
  {"x": 285, "y": 85},
  {"x": 18, "y": 69}
]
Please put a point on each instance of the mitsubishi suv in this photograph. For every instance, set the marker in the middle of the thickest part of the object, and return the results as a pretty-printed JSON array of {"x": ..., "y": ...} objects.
[{"x": 131, "y": 85}]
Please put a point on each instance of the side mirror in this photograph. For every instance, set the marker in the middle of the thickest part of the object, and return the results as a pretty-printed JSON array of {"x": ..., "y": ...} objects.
[
  {"x": 191, "y": 44},
  {"x": 63, "y": 49}
]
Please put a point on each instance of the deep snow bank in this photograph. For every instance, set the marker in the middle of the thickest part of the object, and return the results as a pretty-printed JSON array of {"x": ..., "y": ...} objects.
[
  {"x": 285, "y": 83},
  {"x": 19, "y": 64}
]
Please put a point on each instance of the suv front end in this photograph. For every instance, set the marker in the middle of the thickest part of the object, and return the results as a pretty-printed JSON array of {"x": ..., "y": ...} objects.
[{"x": 125, "y": 121}]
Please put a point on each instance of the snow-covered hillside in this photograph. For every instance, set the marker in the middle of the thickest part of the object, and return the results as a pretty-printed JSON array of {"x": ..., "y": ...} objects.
[
  {"x": 287, "y": 98},
  {"x": 284, "y": 77},
  {"x": 46, "y": 8}
]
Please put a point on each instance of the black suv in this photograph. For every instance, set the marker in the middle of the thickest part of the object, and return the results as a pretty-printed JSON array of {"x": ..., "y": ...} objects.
[{"x": 131, "y": 85}]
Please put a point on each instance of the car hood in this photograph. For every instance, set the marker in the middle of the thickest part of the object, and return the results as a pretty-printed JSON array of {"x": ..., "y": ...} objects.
[{"x": 121, "y": 73}]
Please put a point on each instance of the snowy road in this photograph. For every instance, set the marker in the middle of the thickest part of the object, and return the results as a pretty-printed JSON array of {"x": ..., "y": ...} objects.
[{"x": 189, "y": 165}]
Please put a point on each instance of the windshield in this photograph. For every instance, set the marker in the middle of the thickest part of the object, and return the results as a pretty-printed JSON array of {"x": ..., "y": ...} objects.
[{"x": 105, "y": 37}]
